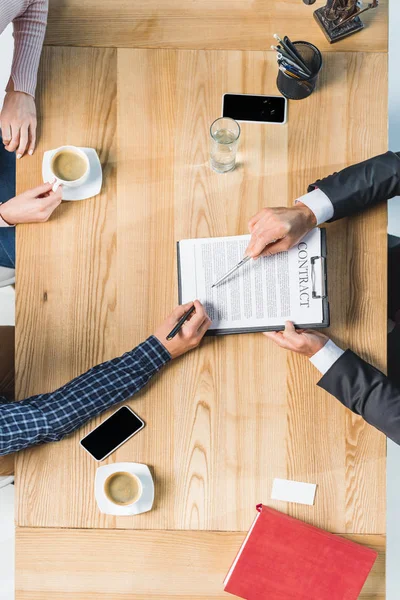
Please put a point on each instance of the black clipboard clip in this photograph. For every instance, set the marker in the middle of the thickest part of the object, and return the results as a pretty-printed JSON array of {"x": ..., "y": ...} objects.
[{"x": 321, "y": 260}]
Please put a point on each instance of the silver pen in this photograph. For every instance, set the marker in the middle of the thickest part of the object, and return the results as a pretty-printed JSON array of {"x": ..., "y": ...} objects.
[{"x": 235, "y": 268}]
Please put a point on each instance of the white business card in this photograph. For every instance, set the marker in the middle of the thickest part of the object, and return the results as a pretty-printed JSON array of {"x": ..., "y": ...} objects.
[{"x": 293, "y": 491}]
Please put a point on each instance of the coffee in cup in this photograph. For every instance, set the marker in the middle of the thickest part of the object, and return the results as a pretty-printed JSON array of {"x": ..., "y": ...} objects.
[
  {"x": 70, "y": 165},
  {"x": 123, "y": 488}
]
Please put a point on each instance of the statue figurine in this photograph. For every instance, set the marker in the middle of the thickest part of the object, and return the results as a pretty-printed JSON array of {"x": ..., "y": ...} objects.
[{"x": 340, "y": 18}]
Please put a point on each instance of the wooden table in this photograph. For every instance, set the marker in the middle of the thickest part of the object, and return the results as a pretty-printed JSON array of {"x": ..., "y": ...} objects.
[
  {"x": 216, "y": 24},
  {"x": 85, "y": 564},
  {"x": 223, "y": 421}
]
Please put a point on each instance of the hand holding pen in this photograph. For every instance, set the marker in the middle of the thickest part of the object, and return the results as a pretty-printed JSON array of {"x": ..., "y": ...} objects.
[{"x": 184, "y": 329}]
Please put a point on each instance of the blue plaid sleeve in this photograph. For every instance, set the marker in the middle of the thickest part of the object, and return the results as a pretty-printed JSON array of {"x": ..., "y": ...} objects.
[{"x": 49, "y": 417}]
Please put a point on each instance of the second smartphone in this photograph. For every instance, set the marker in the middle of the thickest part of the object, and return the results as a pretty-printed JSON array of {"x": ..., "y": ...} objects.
[{"x": 255, "y": 109}]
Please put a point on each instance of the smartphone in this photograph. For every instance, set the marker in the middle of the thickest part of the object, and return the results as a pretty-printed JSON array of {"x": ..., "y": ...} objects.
[
  {"x": 112, "y": 433},
  {"x": 255, "y": 109}
]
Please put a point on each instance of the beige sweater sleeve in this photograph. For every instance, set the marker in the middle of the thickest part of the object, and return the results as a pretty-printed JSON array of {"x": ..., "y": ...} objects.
[{"x": 29, "y": 31}]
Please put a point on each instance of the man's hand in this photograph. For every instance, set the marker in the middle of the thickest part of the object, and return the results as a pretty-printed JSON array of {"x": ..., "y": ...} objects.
[
  {"x": 303, "y": 341},
  {"x": 274, "y": 230},
  {"x": 192, "y": 331},
  {"x": 32, "y": 206},
  {"x": 18, "y": 123}
]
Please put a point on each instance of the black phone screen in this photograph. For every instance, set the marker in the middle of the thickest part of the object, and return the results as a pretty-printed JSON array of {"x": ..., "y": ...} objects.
[
  {"x": 113, "y": 432},
  {"x": 245, "y": 107}
]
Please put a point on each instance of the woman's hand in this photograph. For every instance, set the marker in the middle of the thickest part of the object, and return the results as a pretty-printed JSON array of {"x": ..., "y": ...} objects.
[
  {"x": 18, "y": 123},
  {"x": 33, "y": 206},
  {"x": 192, "y": 332},
  {"x": 303, "y": 341}
]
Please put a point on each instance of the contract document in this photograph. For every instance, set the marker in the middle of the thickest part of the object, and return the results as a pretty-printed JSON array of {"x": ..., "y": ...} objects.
[{"x": 261, "y": 295}]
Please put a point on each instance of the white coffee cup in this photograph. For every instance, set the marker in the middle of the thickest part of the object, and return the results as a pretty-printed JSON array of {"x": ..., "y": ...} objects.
[
  {"x": 123, "y": 488},
  {"x": 142, "y": 504},
  {"x": 75, "y": 182}
]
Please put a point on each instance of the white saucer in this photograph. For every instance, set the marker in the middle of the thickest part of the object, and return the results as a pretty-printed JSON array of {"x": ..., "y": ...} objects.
[
  {"x": 142, "y": 472},
  {"x": 92, "y": 185}
]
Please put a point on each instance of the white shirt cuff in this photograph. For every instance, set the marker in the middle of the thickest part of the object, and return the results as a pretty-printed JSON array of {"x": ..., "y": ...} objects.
[
  {"x": 326, "y": 357},
  {"x": 2, "y": 221},
  {"x": 319, "y": 203}
]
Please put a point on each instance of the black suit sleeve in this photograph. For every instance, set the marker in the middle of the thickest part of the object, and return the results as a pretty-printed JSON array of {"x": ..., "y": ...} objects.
[
  {"x": 363, "y": 185},
  {"x": 365, "y": 391}
]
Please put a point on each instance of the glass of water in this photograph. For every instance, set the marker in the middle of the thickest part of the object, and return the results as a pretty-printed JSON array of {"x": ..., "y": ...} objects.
[{"x": 225, "y": 134}]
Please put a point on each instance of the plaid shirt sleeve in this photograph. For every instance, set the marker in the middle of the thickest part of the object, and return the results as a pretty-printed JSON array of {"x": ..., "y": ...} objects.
[{"x": 49, "y": 417}]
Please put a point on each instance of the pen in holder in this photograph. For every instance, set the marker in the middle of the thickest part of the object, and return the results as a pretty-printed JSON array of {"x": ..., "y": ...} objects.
[
  {"x": 322, "y": 262},
  {"x": 295, "y": 83}
]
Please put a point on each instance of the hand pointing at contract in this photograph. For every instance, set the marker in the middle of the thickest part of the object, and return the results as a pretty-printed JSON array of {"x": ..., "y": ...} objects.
[{"x": 275, "y": 230}]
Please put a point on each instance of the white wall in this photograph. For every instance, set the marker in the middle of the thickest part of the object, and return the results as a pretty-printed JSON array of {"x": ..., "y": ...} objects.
[
  {"x": 393, "y": 450},
  {"x": 7, "y": 296},
  {"x": 7, "y": 543},
  {"x": 394, "y": 105},
  {"x": 6, "y": 47},
  {"x": 7, "y": 532}
]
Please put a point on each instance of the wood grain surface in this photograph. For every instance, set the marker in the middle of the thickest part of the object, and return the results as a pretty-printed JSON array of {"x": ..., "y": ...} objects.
[
  {"x": 66, "y": 286},
  {"x": 356, "y": 249},
  {"x": 56, "y": 564},
  {"x": 7, "y": 465},
  {"x": 223, "y": 421},
  {"x": 209, "y": 24}
]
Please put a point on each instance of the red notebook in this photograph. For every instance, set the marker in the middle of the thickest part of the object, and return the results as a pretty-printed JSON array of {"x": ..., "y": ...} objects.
[{"x": 283, "y": 558}]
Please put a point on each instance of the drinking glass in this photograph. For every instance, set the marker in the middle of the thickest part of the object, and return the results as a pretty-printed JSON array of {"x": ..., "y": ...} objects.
[{"x": 224, "y": 134}]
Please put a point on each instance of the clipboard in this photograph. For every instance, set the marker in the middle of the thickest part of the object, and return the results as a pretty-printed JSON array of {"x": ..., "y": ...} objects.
[{"x": 318, "y": 264}]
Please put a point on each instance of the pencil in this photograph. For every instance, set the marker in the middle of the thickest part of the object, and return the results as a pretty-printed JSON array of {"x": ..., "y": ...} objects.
[
  {"x": 181, "y": 321},
  {"x": 296, "y": 70},
  {"x": 282, "y": 52},
  {"x": 286, "y": 47},
  {"x": 288, "y": 73},
  {"x": 289, "y": 63},
  {"x": 291, "y": 75},
  {"x": 300, "y": 59}
]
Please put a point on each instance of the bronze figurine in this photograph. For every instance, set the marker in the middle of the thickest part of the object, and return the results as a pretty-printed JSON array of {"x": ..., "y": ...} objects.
[{"x": 340, "y": 18}]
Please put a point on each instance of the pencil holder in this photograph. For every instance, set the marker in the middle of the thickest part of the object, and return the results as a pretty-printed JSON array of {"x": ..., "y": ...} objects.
[{"x": 297, "y": 89}]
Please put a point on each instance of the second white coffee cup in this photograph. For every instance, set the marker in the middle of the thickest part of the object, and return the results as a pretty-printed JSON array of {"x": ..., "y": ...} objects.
[{"x": 69, "y": 166}]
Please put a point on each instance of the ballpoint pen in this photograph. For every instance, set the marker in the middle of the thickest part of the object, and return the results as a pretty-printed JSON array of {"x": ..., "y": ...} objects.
[
  {"x": 288, "y": 73},
  {"x": 280, "y": 56},
  {"x": 302, "y": 82},
  {"x": 294, "y": 65},
  {"x": 295, "y": 56},
  {"x": 294, "y": 51},
  {"x": 181, "y": 321},
  {"x": 285, "y": 47},
  {"x": 296, "y": 72},
  {"x": 282, "y": 52},
  {"x": 235, "y": 268}
]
